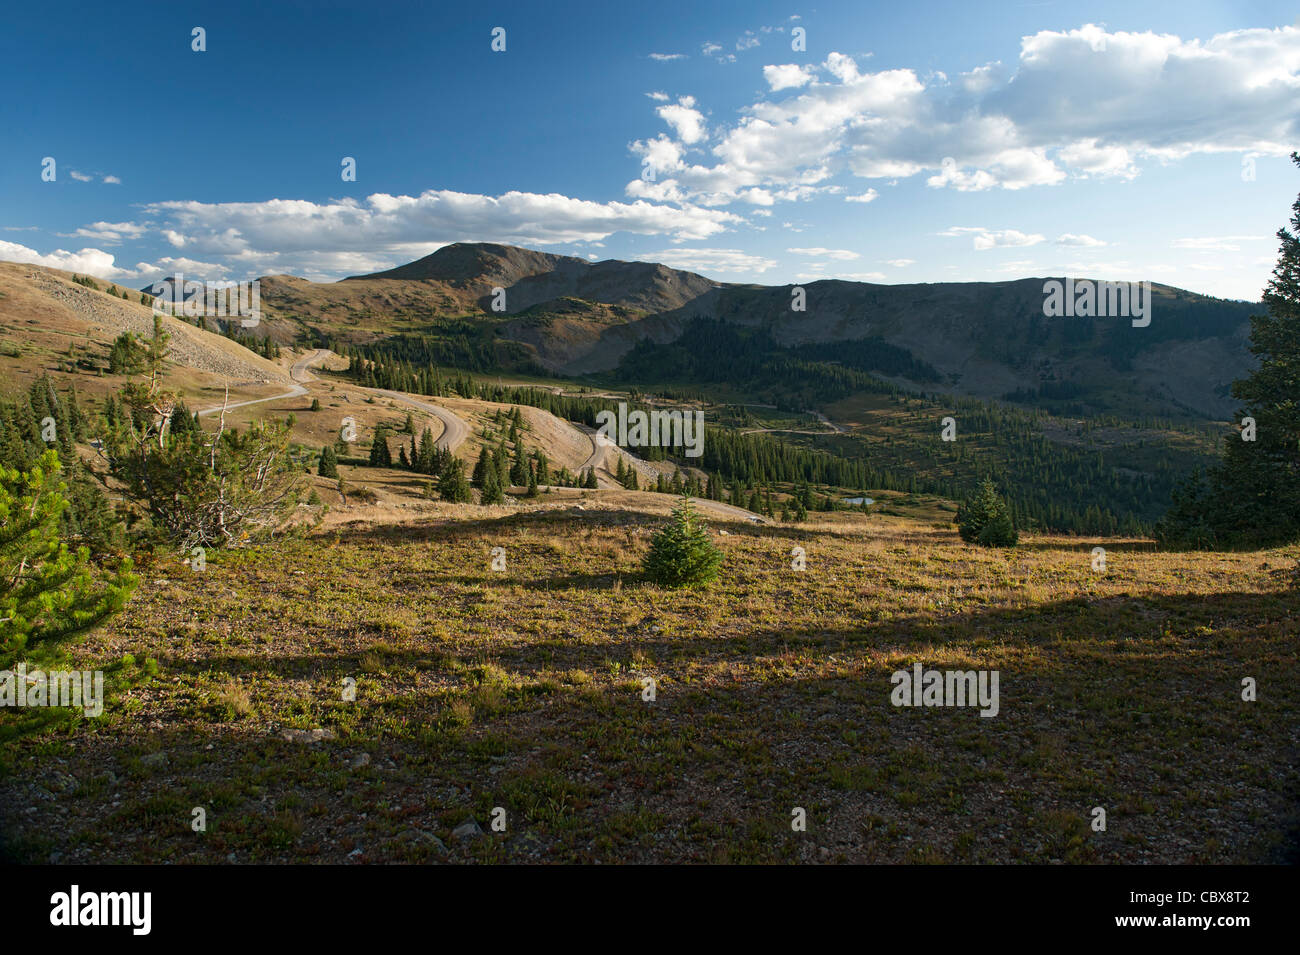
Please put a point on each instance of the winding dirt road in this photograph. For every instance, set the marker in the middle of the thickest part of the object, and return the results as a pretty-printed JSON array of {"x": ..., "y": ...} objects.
[
  {"x": 298, "y": 373},
  {"x": 454, "y": 430}
]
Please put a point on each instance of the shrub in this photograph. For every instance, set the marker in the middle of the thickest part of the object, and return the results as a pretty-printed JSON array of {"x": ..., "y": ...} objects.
[
  {"x": 681, "y": 553},
  {"x": 984, "y": 519}
]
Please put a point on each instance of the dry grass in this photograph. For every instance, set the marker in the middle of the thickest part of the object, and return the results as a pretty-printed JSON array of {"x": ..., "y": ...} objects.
[{"x": 523, "y": 689}]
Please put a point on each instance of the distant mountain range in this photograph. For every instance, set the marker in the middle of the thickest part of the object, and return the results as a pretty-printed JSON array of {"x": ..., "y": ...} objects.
[{"x": 986, "y": 339}]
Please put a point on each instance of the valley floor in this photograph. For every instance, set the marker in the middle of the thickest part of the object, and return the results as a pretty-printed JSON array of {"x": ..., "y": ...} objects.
[{"x": 521, "y": 688}]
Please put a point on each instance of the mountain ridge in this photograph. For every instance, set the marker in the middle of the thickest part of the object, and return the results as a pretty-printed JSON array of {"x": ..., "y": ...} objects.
[
  {"x": 570, "y": 316},
  {"x": 988, "y": 339}
]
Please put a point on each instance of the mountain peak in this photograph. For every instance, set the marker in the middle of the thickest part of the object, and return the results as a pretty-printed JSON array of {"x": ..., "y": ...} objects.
[{"x": 476, "y": 262}]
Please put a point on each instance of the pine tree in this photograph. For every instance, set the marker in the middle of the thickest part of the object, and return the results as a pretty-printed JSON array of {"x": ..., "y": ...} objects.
[
  {"x": 520, "y": 473},
  {"x": 985, "y": 520},
  {"x": 481, "y": 467},
  {"x": 681, "y": 553},
  {"x": 451, "y": 482},
  {"x": 426, "y": 457},
  {"x": 380, "y": 456},
  {"x": 48, "y": 592},
  {"x": 501, "y": 460},
  {"x": 491, "y": 492},
  {"x": 327, "y": 464}
]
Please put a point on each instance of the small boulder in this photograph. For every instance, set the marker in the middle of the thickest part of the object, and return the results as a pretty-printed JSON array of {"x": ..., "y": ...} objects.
[{"x": 466, "y": 831}]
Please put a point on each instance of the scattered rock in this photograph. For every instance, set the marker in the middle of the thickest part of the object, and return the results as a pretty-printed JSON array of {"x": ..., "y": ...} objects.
[
  {"x": 307, "y": 736},
  {"x": 466, "y": 831},
  {"x": 360, "y": 762},
  {"x": 154, "y": 760},
  {"x": 421, "y": 837}
]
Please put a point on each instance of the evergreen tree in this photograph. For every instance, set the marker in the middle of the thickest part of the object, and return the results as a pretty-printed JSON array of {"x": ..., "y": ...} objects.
[
  {"x": 501, "y": 460},
  {"x": 491, "y": 492},
  {"x": 380, "y": 456},
  {"x": 520, "y": 473},
  {"x": 985, "y": 520},
  {"x": 451, "y": 482},
  {"x": 327, "y": 465},
  {"x": 183, "y": 420},
  {"x": 124, "y": 355},
  {"x": 76, "y": 417},
  {"x": 426, "y": 457},
  {"x": 481, "y": 467},
  {"x": 681, "y": 553},
  {"x": 48, "y": 592}
]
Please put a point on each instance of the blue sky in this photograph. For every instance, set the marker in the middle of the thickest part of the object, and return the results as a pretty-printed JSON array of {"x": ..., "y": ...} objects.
[{"x": 905, "y": 143}]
